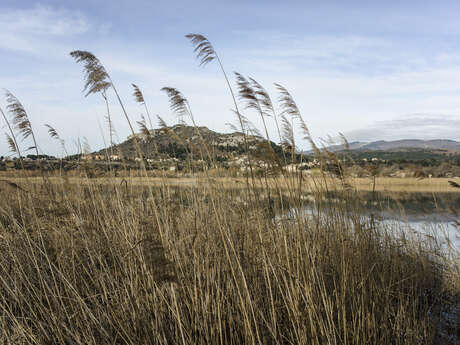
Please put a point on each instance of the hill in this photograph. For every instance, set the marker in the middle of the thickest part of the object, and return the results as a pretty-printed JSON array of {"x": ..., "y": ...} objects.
[{"x": 179, "y": 141}]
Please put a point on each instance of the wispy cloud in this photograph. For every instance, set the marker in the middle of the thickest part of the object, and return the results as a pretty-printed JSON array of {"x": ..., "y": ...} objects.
[
  {"x": 43, "y": 21},
  {"x": 43, "y": 30},
  {"x": 345, "y": 53},
  {"x": 412, "y": 126}
]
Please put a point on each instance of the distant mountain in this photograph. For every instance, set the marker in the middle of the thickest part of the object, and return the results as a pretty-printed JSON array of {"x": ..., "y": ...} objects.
[
  {"x": 355, "y": 145},
  {"x": 438, "y": 144},
  {"x": 398, "y": 145}
]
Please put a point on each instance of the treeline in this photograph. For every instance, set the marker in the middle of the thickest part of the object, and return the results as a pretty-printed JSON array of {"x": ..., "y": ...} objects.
[{"x": 425, "y": 158}]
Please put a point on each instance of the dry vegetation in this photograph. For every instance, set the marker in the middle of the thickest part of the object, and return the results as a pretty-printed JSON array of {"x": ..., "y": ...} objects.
[
  {"x": 383, "y": 184},
  {"x": 125, "y": 264},
  {"x": 128, "y": 262}
]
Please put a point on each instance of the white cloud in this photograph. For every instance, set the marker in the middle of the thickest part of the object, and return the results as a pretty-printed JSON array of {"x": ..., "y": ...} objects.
[
  {"x": 44, "y": 30},
  {"x": 343, "y": 55},
  {"x": 411, "y": 126},
  {"x": 43, "y": 21}
]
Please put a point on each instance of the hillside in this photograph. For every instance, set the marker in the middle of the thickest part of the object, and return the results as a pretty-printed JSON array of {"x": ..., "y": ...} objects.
[{"x": 180, "y": 140}]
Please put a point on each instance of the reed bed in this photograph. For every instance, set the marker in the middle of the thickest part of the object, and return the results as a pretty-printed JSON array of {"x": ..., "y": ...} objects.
[
  {"x": 120, "y": 261},
  {"x": 125, "y": 264}
]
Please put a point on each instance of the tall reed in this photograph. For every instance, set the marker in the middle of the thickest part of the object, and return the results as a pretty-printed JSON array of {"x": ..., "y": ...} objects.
[{"x": 125, "y": 261}]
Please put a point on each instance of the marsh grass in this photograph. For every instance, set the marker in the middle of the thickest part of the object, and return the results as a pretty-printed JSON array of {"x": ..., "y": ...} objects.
[
  {"x": 98, "y": 264},
  {"x": 123, "y": 261}
]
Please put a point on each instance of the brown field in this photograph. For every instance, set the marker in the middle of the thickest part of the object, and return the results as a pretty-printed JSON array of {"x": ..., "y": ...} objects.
[{"x": 382, "y": 184}]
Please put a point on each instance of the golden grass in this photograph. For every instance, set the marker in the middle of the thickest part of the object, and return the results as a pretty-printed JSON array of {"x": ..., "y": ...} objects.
[
  {"x": 309, "y": 184},
  {"x": 394, "y": 184},
  {"x": 216, "y": 260},
  {"x": 85, "y": 262}
]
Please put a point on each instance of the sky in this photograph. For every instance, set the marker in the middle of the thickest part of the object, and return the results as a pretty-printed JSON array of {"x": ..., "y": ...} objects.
[{"x": 372, "y": 70}]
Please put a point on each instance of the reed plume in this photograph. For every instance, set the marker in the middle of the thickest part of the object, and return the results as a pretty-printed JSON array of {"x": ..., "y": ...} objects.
[
  {"x": 54, "y": 135},
  {"x": 203, "y": 48},
  {"x": 287, "y": 134},
  {"x": 265, "y": 102},
  {"x": 289, "y": 112},
  {"x": 162, "y": 123},
  {"x": 263, "y": 97},
  {"x": 52, "y": 132},
  {"x": 267, "y": 106},
  {"x": 138, "y": 94},
  {"x": 143, "y": 127},
  {"x": 97, "y": 79},
  {"x": 178, "y": 103},
  {"x": 246, "y": 92},
  {"x": 12, "y": 144},
  {"x": 20, "y": 119},
  {"x": 11, "y": 137},
  {"x": 249, "y": 95},
  {"x": 289, "y": 107},
  {"x": 139, "y": 97},
  {"x": 253, "y": 100},
  {"x": 181, "y": 107}
]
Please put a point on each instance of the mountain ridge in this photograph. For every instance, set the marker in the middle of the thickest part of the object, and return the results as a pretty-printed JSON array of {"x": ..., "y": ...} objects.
[{"x": 397, "y": 145}]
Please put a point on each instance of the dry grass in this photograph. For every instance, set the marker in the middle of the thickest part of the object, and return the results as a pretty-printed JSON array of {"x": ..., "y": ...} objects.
[
  {"x": 145, "y": 260},
  {"x": 394, "y": 184},
  {"x": 131, "y": 264},
  {"x": 309, "y": 184}
]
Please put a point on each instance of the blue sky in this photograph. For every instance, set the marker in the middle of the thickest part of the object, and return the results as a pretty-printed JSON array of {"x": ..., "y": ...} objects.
[{"x": 370, "y": 69}]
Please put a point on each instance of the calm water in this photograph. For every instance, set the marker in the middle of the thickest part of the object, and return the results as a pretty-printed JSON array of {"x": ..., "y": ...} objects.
[
  {"x": 430, "y": 217},
  {"x": 434, "y": 216}
]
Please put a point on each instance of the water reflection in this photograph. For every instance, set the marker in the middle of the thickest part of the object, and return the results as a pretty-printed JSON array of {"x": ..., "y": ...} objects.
[{"x": 431, "y": 216}]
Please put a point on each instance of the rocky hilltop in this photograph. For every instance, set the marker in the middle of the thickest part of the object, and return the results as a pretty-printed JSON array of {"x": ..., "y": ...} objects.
[{"x": 181, "y": 140}]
